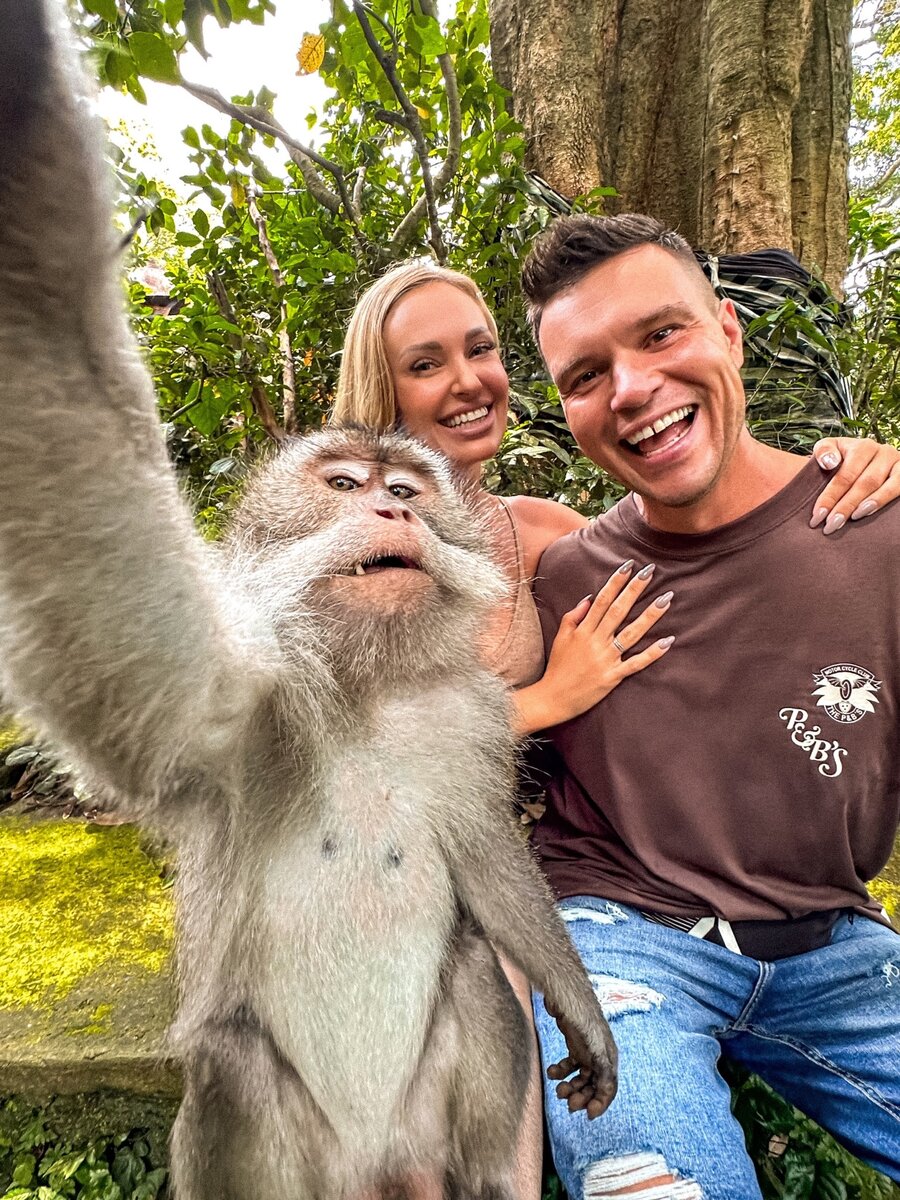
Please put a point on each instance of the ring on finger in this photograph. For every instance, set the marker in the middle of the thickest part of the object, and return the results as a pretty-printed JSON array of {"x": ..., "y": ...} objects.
[{"x": 618, "y": 645}]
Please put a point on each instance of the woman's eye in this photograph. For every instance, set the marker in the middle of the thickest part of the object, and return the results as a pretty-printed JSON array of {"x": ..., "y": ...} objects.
[
  {"x": 343, "y": 483},
  {"x": 401, "y": 491},
  {"x": 423, "y": 364},
  {"x": 482, "y": 348}
]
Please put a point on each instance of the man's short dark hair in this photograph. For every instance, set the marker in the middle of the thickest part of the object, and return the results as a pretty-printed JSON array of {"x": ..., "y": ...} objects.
[{"x": 572, "y": 246}]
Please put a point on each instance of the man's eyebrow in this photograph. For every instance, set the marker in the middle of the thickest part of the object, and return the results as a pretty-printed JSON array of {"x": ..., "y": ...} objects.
[
  {"x": 665, "y": 313},
  {"x": 419, "y": 347}
]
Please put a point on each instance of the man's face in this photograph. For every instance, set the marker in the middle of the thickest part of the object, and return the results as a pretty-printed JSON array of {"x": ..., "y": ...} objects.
[{"x": 646, "y": 362}]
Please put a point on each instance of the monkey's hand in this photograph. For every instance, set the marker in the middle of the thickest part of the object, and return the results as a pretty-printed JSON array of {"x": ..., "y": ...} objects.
[{"x": 591, "y": 1062}]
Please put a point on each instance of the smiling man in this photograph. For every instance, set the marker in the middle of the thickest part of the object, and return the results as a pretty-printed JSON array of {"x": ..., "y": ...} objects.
[{"x": 713, "y": 822}]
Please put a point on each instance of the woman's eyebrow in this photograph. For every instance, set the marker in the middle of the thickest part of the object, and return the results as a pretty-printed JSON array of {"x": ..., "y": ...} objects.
[{"x": 420, "y": 347}]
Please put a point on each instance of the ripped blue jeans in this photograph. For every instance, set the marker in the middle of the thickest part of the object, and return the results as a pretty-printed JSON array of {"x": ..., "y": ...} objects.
[{"x": 823, "y": 1028}]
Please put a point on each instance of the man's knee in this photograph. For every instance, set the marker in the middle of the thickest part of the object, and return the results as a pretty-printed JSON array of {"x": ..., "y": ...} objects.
[{"x": 644, "y": 1174}]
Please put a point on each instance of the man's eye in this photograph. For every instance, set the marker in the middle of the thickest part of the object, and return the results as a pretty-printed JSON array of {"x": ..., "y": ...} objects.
[
  {"x": 660, "y": 335},
  {"x": 343, "y": 483},
  {"x": 401, "y": 491}
]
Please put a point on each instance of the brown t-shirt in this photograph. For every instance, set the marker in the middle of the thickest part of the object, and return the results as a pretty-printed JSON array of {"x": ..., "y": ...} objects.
[{"x": 754, "y": 771}]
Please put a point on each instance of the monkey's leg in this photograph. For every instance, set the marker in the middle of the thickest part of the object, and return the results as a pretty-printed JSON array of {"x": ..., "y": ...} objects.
[
  {"x": 247, "y": 1127},
  {"x": 490, "y": 1077}
]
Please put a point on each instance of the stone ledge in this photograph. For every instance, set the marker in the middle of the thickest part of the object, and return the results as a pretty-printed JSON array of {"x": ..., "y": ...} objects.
[{"x": 86, "y": 988}]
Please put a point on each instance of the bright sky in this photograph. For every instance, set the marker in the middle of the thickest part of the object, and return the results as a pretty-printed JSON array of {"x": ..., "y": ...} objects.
[{"x": 242, "y": 59}]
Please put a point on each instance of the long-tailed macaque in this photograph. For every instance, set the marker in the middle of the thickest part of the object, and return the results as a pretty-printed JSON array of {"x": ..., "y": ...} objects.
[{"x": 301, "y": 712}]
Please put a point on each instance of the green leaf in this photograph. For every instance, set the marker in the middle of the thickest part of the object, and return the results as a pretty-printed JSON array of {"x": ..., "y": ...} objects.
[
  {"x": 174, "y": 10},
  {"x": 102, "y": 8},
  {"x": 201, "y": 222},
  {"x": 216, "y": 402},
  {"x": 24, "y": 1172},
  {"x": 183, "y": 238},
  {"x": 427, "y": 33},
  {"x": 154, "y": 57}
]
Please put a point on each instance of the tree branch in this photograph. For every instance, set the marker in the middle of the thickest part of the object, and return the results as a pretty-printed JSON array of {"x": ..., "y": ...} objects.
[
  {"x": 413, "y": 124},
  {"x": 288, "y": 375},
  {"x": 404, "y": 232},
  {"x": 304, "y": 156}
]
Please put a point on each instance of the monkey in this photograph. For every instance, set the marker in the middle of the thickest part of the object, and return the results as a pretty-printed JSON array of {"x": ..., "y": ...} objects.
[{"x": 299, "y": 710}]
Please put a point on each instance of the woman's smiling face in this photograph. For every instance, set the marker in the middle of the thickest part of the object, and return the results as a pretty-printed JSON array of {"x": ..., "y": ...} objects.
[{"x": 451, "y": 387}]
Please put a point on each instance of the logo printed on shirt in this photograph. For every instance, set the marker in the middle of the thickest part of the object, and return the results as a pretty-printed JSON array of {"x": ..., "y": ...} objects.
[{"x": 846, "y": 692}]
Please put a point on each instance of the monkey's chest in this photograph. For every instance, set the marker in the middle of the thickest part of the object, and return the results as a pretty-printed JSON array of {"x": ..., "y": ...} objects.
[{"x": 359, "y": 910}]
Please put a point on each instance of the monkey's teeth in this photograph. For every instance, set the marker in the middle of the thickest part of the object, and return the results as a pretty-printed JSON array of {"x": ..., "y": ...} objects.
[
  {"x": 464, "y": 418},
  {"x": 360, "y": 569}
]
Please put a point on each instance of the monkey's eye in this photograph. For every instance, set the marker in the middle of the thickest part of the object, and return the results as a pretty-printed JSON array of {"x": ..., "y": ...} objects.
[
  {"x": 402, "y": 491},
  {"x": 343, "y": 483}
]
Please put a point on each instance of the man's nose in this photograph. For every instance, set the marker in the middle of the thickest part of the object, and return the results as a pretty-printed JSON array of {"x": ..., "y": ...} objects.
[{"x": 634, "y": 383}]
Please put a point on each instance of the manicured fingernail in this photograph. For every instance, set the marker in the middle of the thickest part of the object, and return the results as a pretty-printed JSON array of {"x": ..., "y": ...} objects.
[
  {"x": 835, "y": 522},
  {"x": 863, "y": 510},
  {"x": 664, "y": 600},
  {"x": 818, "y": 517},
  {"x": 625, "y": 568},
  {"x": 647, "y": 571},
  {"x": 585, "y": 599},
  {"x": 666, "y": 642},
  {"x": 829, "y": 461}
]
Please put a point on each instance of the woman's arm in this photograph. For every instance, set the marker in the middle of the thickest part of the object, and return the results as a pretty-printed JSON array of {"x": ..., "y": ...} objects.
[
  {"x": 585, "y": 661},
  {"x": 584, "y": 664}
]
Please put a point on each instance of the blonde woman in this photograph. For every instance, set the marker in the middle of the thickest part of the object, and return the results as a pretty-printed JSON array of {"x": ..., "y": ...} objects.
[{"x": 421, "y": 354}]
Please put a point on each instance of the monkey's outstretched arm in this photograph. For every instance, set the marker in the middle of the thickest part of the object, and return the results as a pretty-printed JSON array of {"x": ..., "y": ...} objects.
[
  {"x": 503, "y": 889},
  {"x": 111, "y": 637}
]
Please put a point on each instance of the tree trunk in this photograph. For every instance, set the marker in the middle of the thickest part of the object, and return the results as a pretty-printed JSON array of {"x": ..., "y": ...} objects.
[{"x": 727, "y": 119}]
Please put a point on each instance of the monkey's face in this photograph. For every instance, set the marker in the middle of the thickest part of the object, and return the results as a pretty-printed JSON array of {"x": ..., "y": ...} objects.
[
  {"x": 380, "y": 556},
  {"x": 367, "y": 533}
]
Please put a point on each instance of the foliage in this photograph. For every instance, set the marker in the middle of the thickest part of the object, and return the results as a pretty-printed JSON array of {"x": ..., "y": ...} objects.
[
  {"x": 37, "y": 1162},
  {"x": 875, "y": 126},
  {"x": 794, "y": 1158},
  {"x": 872, "y": 346}
]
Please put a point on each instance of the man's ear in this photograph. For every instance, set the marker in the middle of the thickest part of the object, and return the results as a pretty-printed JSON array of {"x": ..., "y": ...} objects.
[{"x": 732, "y": 328}]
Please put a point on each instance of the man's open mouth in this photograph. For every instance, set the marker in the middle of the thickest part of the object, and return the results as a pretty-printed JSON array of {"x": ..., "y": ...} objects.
[
  {"x": 662, "y": 433},
  {"x": 385, "y": 562}
]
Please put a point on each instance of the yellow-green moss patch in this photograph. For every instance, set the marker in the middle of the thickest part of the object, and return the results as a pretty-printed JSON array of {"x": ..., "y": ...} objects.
[{"x": 76, "y": 901}]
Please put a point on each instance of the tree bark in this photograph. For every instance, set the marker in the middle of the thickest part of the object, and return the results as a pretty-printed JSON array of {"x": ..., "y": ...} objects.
[{"x": 727, "y": 120}]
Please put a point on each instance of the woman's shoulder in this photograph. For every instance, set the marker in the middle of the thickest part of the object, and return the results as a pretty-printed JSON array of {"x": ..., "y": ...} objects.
[{"x": 540, "y": 522}]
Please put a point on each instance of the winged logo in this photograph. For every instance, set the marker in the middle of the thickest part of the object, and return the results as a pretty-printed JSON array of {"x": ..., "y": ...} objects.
[{"x": 846, "y": 692}]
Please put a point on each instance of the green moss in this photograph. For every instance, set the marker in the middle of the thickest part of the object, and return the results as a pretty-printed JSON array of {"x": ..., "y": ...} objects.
[
  {"x": 10, "y": 735},
  {"x": 888, "y": 894},
  {"x": 76, "y": 901}
]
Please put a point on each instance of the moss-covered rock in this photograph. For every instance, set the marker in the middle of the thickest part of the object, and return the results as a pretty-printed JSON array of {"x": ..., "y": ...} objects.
[{"x": 86, "y": 931}]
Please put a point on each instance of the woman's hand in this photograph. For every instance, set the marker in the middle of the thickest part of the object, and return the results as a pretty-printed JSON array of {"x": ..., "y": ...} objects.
[
  {"x": 586, "y": 662},
  {"x": 869, "y": 479}
]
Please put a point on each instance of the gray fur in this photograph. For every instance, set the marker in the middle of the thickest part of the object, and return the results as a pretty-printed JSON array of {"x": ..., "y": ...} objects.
[{"x": 336, "y": 774}]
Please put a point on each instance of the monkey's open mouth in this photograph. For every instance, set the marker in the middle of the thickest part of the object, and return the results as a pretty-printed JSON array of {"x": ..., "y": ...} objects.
[{"x": 385, "y": 563}]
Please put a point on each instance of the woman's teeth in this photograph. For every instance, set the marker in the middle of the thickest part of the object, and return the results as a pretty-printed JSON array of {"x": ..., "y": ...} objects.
[{"x": 464, "y": 418}]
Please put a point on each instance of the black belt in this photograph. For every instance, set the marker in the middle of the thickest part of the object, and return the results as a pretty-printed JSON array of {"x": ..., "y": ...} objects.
[{"x": 764, "y": 940}]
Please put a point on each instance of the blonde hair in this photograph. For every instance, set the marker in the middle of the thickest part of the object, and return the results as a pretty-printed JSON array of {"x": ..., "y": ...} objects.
[{"x": 365, "y": 391}]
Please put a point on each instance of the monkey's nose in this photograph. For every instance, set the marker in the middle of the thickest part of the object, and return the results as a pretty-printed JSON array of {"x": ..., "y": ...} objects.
[{"x": 395, "y": 512}]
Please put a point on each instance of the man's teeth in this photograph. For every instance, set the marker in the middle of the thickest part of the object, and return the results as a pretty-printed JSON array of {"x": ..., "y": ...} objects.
[
  {"x": 464, "y": 418},
  {"x": 658, "y": 426}
]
